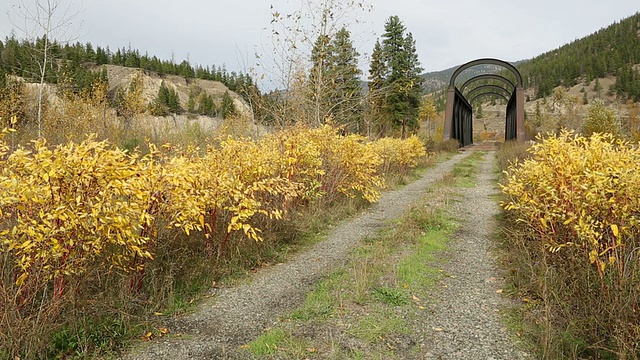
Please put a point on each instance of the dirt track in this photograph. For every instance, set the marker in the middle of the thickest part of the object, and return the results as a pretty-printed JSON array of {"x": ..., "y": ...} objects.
[{"x": 466, "y": 311}]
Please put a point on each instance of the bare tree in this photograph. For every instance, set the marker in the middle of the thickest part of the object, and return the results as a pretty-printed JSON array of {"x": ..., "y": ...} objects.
[
  {"x": 288, "y": 61},
  {"x": 44, "y": 22}
]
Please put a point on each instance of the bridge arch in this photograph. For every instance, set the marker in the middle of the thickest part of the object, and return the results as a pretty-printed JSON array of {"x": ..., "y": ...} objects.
[
  {"x": 486, "y": 61},
  {"x": 510, "y": 86},
  {"x": 473, "y": 99},
  {"x": 484, "y": 88},
  {"x": 459, "y": 115}
]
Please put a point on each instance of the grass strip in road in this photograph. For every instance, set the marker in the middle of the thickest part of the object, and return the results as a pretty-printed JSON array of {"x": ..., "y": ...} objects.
[{"x": 371, "y": 308}]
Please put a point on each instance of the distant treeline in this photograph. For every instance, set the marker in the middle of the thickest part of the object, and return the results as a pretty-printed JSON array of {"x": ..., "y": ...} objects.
[
  {"x": 610, "y": 51},
  {"x": 23, "y": 58}
]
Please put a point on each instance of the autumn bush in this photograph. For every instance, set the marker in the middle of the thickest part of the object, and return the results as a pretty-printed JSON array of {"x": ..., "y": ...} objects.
[
  {"x": 398, "y": 156},
  {"x": 90, "y": 232},
  {"x": 576, "y": 208}
]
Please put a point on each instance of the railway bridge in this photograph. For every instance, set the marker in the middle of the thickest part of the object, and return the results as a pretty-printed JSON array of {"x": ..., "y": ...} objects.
[{"x": 458, "y": 121}]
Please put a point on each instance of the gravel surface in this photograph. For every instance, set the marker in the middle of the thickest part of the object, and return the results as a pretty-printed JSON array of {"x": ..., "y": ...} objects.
[
  {"x": 238, "y": 314},
  {"x": 465, "y": 319}
]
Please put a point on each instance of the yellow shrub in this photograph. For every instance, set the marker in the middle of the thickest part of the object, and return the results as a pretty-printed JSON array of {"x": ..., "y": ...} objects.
[
  {"x": 399, "y": 155},
  {"x": 582, "y": 193}
]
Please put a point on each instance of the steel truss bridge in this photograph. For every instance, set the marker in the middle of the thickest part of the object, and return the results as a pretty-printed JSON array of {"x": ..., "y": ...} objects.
[{"x": 458, "y": 121}]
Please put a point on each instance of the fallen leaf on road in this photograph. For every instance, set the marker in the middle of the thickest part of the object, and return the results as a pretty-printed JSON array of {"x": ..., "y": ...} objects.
[
  {"x": 438, "y": 329},
  {"x": 415, "y": 298},
  {"x": 499, "y": 291}
]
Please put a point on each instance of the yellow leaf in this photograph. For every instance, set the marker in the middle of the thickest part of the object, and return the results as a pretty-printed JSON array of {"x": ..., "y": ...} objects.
[
  {"x": 499, "y": 291},
  {"x": 614, "y": 229},
  {"x": 20, "y": 280},
  {"x": 543, "y": 221}
]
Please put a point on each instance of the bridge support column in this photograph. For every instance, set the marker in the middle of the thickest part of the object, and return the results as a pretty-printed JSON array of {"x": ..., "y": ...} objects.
[
  {"x": 520, "y": 113},
  {"x": 448, "y": 114}
]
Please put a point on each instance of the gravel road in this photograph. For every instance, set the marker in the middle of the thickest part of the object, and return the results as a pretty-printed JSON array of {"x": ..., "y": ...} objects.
[
  {"x": 236, "y": 315},
  {"x": 466, "y": 311}
]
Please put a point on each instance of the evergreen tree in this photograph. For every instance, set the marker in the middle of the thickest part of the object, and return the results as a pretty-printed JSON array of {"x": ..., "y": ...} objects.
[
  {"x": 347, "y": 97},
  {"x": 166, "y": 102},
  {"x": 206, "y": 106},
  {"x": 191, "y": 103},
  {"x": 597, "y": 87},
  {"x": 538, "y": 116},
  {"x": 334, "y": 82},
  {"x": 319, "y": 77},
  {"x": 376, "y": 96},
  {"x": 227, "y": 107},
  {"x": 403, "y": 75}
]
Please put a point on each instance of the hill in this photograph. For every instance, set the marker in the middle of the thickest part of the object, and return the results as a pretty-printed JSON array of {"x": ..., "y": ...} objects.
[
  {"x": 611, "y": 51},
  {"x": 120, "y": 77}
]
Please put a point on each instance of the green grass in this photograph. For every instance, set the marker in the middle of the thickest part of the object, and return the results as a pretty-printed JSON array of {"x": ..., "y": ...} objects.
[
  {"x": 321, "y": 302},
  {"x": 417, "y": 271},
  {"x": 378, "y": 324},
  {"x": 391, "y": 296},
  {"x": 466, "y": 170}
]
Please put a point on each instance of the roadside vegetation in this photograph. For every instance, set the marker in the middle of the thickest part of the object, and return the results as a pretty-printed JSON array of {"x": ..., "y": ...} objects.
[
  {"x": 95, "y": 237},
  {"x": 570, "y": 244}
]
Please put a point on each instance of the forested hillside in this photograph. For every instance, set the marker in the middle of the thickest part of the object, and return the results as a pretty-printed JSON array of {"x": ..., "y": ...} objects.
[
  {"x": 610, "y": 51},
  {"x": 17, "y": 58}
]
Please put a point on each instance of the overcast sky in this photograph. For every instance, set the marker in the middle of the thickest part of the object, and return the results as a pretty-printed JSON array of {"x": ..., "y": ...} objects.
[{"x": 447, "y": 32}]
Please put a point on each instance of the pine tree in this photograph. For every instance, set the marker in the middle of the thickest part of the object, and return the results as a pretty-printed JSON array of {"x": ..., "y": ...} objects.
[
  {"x": 334, "y": 83},
  {"x": 403, "y": 80},
  {"x": 318, "y": 77},
  {"x": 191, "y": 103},
  {"x": 227, "y": 107},
  {"x": 538, "y": 115},
  {"x": 597, "y": 87},
  {"x": 376, "y": 96},
  {"x": 346, "y": 97},
  {"x": 206, "y": 106}
]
